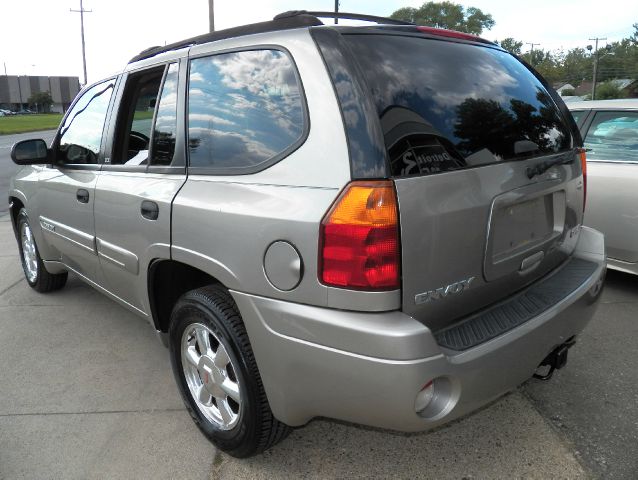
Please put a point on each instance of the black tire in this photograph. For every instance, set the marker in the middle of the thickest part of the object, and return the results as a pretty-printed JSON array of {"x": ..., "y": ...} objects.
[
  {"x": 257, "y": 429},
  {"x": 44, "y": 281}
]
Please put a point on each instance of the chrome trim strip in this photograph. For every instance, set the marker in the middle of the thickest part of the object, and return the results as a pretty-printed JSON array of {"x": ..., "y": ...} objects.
[
  {"x": 117, "y": 255},
  {"x": 70, "y": 234}
]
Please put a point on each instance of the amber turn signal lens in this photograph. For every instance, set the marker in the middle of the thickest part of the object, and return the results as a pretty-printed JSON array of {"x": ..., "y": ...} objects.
[{"x": 360, "y": 238}]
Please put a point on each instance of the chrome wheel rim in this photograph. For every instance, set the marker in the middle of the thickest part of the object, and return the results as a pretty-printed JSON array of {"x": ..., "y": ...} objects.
[
  {"x": 29, "y": 253},
  {"x": 211, "y": 376}
]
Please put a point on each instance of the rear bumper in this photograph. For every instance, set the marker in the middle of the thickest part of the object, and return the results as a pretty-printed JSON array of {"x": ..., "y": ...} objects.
[{"x": 367, "y": 368}]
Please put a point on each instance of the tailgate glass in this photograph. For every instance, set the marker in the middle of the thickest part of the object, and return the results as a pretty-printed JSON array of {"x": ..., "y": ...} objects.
[{"x": 447, "y": 106}]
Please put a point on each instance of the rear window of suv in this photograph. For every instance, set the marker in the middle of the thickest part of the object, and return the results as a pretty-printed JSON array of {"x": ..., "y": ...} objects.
[{"x": 446, "y": 105}]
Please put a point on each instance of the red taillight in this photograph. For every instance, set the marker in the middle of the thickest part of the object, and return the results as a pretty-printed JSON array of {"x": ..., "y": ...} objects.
[
  {"x": 583, "y": 165},
  {"x": 360, "y": 238}
]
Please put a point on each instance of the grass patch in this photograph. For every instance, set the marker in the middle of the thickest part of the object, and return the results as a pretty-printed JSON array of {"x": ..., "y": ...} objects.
[{"x": 29, "y": 123}]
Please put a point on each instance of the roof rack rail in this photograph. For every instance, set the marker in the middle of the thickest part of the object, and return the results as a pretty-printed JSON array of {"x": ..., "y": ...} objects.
[
  {"x": 284, "y": 23},
  {"x": 345, "y": 16}
]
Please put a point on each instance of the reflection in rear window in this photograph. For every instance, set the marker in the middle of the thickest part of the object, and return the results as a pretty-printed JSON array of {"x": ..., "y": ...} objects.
[{"x": 446, "y": 105}]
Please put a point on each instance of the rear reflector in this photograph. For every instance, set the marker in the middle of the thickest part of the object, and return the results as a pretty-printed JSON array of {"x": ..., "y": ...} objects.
[
  {"x": 360, "y": 238},
  {"x": 583, "y": 165}
]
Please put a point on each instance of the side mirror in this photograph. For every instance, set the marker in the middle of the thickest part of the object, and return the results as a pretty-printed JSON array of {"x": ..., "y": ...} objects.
[{"x": 31, "y": 152}]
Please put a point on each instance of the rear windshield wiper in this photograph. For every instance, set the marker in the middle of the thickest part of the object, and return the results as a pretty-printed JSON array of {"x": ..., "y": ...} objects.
[{"x": 542, "y": 167}]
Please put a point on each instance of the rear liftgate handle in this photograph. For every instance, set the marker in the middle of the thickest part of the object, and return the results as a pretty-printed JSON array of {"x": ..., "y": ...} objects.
[{"x": 149, "y": 210}]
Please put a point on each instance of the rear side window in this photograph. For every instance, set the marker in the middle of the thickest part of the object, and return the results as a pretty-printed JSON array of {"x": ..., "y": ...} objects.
[
  {"x": 245, "y": 110},
  {"x": 446, "y": 105},
  {"x": 613, "y": 136}
]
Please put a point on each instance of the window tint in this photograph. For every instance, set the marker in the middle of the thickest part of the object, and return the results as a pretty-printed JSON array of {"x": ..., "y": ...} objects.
[
  {"x": 446, "y": 105},
  {"x": 135, "y": 117},
  {"x": 165, "y": 130},
  {"x": 81, "y": 134},
  {"x": 244, "y": 108},
  {"x": 613, "y": 136},
  {"x": 577, "y": 114}
]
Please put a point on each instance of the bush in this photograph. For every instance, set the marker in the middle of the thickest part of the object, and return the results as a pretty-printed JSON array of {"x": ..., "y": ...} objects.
[{"x": 568, "y": 92}]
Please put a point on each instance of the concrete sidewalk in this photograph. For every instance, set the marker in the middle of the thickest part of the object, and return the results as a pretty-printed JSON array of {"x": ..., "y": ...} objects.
[{"x": 86, "y": 391}]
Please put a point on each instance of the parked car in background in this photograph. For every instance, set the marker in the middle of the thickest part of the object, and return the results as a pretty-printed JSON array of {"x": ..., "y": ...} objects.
[
  {"x": 610, "y": 132},
  {"x": 6, "y": 112},
  {"x": 378, "y": 224}
]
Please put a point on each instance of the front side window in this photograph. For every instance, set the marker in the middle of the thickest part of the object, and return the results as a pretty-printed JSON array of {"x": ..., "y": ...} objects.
[
  {"x": 81, "y": 134},
  {"x": 244, "y": 109},
  {"x": 613, "y": 136}
]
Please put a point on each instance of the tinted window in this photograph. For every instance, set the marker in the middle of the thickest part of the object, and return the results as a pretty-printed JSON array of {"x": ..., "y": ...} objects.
[
  {"x": 446, "y": 105},
  {"x": 613, "y": 136},
  {"x": 81, "y": 134},
  {"x": 577, "y": 114},
  {"x": 135, "y": 117},
  {"x": 244, "y": 108},
  {"x": 166, "y": 120}
]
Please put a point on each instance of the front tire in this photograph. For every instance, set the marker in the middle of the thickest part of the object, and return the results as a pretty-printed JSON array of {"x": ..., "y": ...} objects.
[
  {"x": 32, "y": 265},
  {"x": 217, "y": 374}
]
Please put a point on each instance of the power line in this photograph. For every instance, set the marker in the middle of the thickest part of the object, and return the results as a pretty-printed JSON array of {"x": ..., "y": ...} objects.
[{"x": 81, "y": 11}]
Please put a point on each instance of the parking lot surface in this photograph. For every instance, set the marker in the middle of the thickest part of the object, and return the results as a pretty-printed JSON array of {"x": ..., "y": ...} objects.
[{"x": 87, "y": 392}]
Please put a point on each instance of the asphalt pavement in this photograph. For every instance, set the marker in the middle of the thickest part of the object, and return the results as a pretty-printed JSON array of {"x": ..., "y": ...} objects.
[
  {"x": 86, "y": 391},
  {"x": 7, "y": 167}
]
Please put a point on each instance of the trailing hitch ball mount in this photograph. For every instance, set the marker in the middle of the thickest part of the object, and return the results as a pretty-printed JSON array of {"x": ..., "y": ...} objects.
[{"x": 555, "y": 360}]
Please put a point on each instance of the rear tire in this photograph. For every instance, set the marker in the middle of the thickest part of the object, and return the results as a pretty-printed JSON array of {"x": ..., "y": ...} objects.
[
  {"x": 34, "y": 270},
  {"x": 217, "y": 374}
]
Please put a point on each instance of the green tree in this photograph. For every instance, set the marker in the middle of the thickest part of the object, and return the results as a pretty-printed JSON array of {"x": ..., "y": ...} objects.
[
  {"x": 42, "y": 101},
  {"x": 607, "y": 90},
  {"x": 511, "y": 45},
  {"x": 447, "y": 15}
]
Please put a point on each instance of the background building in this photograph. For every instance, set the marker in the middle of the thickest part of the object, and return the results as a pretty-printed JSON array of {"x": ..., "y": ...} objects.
[{"x": 16, "y": 90}]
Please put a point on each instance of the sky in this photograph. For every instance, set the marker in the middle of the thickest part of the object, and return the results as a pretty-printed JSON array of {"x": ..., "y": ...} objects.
[{"x": 42, "y": 37}]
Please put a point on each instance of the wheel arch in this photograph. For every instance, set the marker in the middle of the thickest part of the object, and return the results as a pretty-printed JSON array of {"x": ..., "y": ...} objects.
[
  {"x": 15, "y": 205},
  {"x": 168, "y": 280}
]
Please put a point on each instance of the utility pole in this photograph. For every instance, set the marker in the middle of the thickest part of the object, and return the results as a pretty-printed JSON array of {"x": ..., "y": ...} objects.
[
  {"x": 81, "y": 11},
  {"x": 531, "y": 52},
  {"x": 593, "y": 87},
  {"x": 336, "y": 11},
  {"x": 211, "y": 15},
  {"x": 5, "y": 69}
]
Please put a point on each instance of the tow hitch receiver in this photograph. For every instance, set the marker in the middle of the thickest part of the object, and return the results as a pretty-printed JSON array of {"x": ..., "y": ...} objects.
[{"x": 555, "y": 360}]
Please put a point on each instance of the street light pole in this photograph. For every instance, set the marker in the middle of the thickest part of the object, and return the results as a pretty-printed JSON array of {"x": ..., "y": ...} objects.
[
  {"x": 593, "y": 86},
  {"x": 81, "y": 11},
  {"x": 211, "y": 15}
]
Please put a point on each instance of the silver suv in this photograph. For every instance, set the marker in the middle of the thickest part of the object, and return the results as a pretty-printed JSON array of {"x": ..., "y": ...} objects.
[{"x": 378, "y": 224}]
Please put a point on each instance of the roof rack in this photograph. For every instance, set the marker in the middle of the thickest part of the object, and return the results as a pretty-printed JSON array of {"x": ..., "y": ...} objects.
[
  {"x": 345, "y": 16},
  {"x": 283, "y": 21}
]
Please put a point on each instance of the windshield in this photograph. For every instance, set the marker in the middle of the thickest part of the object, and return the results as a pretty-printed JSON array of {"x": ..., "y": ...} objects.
[{"x": 447, "y": 105}]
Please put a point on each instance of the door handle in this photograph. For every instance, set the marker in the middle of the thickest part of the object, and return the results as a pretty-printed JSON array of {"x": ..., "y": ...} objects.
[
  {"x": 82, "y": 195},
  {"x": 149, "y": 210}
]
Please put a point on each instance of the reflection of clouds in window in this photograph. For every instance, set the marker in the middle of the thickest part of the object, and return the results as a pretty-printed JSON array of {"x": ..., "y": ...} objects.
[
  {"x": 244, "y": 108},
  {"x": 84, "y": 124},
  {"x": 164, "y": 134},
  {"x": 476, "y": 98}
]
